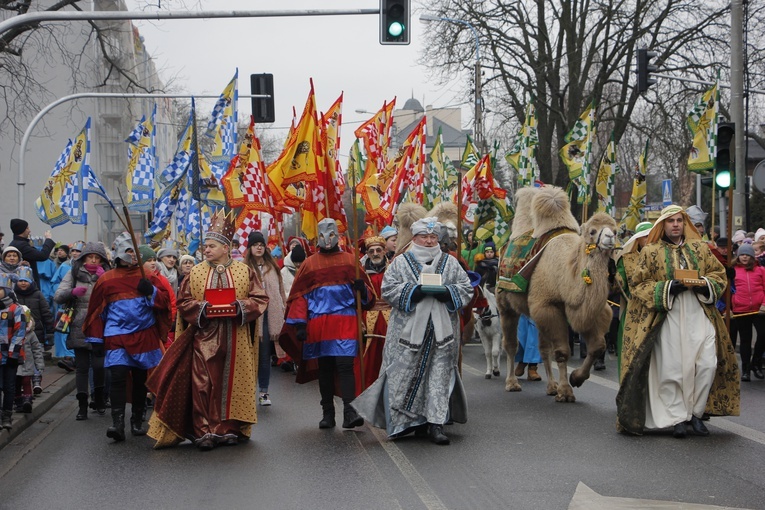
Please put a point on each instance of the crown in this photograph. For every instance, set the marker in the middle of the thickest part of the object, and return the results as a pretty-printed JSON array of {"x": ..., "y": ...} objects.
[
  {"x": 222, "y": 227},
  {"x": 374, "y": 240}
]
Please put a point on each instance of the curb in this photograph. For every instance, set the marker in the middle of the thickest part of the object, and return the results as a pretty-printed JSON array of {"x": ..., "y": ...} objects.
[{"x": 50, "y": 396}]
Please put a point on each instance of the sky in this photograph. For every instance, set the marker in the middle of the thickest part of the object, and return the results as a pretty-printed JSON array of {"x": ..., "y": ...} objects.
[{"x": 340, "y": 53}]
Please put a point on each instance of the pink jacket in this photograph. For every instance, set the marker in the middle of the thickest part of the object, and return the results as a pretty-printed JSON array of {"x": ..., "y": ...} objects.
[{"x": 750, "y": 289}]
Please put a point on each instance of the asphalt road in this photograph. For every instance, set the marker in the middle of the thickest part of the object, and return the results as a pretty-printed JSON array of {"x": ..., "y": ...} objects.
[{"x": 518, "y": 450}]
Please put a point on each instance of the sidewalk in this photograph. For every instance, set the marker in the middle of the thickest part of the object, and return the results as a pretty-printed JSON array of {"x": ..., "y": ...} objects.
[{"x": 56, "y": 385}]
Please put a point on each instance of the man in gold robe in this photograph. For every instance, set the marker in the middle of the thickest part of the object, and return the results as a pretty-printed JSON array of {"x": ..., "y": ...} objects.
[
  {"x": 205, "y": 383},
  {"x": 677, "y": 359}
]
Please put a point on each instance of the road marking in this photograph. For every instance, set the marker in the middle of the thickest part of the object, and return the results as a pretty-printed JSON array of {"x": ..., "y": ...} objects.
[
  {"x": 410, "y": 473},
  {"x": 587, "y": 499}
]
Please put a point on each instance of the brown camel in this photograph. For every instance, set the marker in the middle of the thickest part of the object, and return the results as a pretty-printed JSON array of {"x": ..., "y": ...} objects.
[{"x": 569, "y": 286}]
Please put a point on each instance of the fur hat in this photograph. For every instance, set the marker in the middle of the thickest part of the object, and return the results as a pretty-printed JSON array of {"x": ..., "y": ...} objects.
[
  {"x": 18, "y": 226},
  {"x": 745, "y": 249}
]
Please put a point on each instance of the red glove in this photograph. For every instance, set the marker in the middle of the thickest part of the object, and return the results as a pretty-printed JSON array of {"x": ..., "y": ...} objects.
[{"x": 79, "y": 291}]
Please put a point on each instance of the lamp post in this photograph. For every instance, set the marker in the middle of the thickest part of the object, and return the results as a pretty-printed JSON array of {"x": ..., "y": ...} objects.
[{"x": 478, "y": 126}]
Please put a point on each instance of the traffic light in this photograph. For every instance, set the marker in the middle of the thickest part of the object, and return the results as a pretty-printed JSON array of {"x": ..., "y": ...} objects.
[
  {"x": 726, "y": 134},
  {"x": 644, "y": 69},
  {"x": 394, "y": 21},
  {"x": 263, "y": 107}
]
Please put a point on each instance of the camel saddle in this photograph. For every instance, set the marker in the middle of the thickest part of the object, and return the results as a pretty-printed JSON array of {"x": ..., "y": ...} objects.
[{"x": 521, "y": 257}]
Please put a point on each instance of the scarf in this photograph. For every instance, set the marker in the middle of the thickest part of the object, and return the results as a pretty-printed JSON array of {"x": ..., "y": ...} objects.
[
  {"x": 170, "y": 274},
  {"x": 429, "y": 313}
]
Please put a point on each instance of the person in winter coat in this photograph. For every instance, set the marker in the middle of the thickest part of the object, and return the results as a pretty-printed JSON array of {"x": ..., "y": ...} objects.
[
  {"x": 30, "y": 371},
  {"x": 21, "y": 232},
  {"x": 488, "y": 265},
  {"x": 292, "y": 263},
  {"x": 749, "y": 302},
  {"x": 13, "y": 327},
  {"x": 186, "y": 263},
  {"x": 167, "y": 264},
  {"x": 11, "y": 260},
  {"x": 27, "y": 294},
  {"x": 152, "y": 266},
  {"x": 77, "y": 285}
]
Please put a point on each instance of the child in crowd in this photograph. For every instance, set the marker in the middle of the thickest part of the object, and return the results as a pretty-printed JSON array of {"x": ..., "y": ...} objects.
[
  {"x": 27, "y": 294},
  {"x": 33, "y": 365},
  {"x": 12, "y": 333}
]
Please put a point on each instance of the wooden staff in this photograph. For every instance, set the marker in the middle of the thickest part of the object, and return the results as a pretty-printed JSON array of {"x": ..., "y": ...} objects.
[{"x": 129, "y": 226}]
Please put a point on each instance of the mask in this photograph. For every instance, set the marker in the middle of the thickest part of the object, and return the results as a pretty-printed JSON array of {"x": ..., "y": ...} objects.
[
  {"x": 121, "y": 245},
  {"x": 328, "y": 234}
]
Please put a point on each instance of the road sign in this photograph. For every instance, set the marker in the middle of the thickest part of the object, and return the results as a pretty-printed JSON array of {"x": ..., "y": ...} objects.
[{"x": 666, "y": 192}]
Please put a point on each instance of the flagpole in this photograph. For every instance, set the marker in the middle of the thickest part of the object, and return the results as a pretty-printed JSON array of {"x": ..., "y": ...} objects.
[{"x": 355, "y": 241}]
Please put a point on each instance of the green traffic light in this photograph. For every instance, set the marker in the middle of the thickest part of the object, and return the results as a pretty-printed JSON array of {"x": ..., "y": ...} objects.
[
  {"x": 722, "y": 179},
  {"x": 395, "y": 29}
]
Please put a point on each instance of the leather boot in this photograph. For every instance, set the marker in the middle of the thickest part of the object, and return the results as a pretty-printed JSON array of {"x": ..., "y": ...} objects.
[
  {"x": 6, "y": 422},
  {"x": 82, "y": 414},
  {"x": 117, "y": 430},
  {"x": 757, "y": 370},
  {"x": 351, "y": 418},
  {"x": 136, "y": 423},
  {"x": 745, "y": 374},
  {"x": 533, "y": 374},
  {"x": 436, "y": 433},
  {"x": 328, "y": 421},
  {"x": 520, "y": 368},
  {"x": 98, "y": 401}
]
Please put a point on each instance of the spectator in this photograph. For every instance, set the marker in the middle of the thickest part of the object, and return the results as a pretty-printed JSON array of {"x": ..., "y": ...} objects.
[
  {"x": 749, "y": 280},
  {"x": 29, "y": 253},
  {"x": 30, "y": 371},
  {"x": 13, "y": 324},
  {"x": 28, "y": 295}
]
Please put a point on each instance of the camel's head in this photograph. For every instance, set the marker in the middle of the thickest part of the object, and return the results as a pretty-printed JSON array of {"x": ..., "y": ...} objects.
[{"x": 600, "y": 230}]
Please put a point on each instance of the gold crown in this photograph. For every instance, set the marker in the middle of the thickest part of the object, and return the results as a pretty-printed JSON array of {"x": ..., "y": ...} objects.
[
  {"x": 371, "y": 241},
  {"x": 222, "y": 226}
]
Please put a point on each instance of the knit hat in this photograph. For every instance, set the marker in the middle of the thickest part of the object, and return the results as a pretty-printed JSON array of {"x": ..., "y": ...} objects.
[
  {"x": 184, "y": 258},
  {"x": 387, "y": 232},
  {"x": 256, "y": 236},
  {"x": 739, "y": 236},
  {"x": 297, "y": 254},
  {"x": 62, "y": 247},
  {"x": 164, "y": 252},
  {"x": 25, "y": 274},
  {"x": 11, "y": 248},
  {"x": 745, "y": 249},
  {"x": 146, "y": 252},
  {"x": 489, "y": 246},
  {"x": 760, "y": 233},
  {"x": 18, "y": 226}
]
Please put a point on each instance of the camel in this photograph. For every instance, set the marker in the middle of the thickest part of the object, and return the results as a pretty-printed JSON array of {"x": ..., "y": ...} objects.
[{"x": 568, "y": 286}]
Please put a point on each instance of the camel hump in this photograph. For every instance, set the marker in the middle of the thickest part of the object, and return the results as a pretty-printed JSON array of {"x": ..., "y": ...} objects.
[{"x": 550, "y": 210}]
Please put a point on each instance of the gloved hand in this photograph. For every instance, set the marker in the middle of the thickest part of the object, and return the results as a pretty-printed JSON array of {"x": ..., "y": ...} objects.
[
  {"x": 79, "y": 291},
  {"x": 145, "y": 287},
  {"x": 444, "y": 297},
  {"x": 418, "y": 294},
  {"x": 360, "y": 286},
  {"x": 703, "y": 291},
  {"x": 300, "y": 333},
  {"x": 100, "y": 270},
  {"x": 677, "y": 287},
  {"x": 730, "y": 272},
  {"x": 98, "y": 349}
]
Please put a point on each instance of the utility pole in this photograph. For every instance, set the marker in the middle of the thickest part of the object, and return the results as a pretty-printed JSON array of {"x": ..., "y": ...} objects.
[
  {"x": 737, "y": 111},
  {"x": 479, "y": 140}
]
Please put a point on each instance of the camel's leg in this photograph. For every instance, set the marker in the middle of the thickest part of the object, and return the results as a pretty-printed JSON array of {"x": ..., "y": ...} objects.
[
  {"x": 596, "y": 345},
  {"x": 509, "y": 321},
  {"x": 545, "y": 349},
  {"x": 553, "y": 327}
]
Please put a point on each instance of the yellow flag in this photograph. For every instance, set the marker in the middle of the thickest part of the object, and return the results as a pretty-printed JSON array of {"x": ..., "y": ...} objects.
[
  {"x": 635, "y": 211},
  {"x": 702, "y": 121}
]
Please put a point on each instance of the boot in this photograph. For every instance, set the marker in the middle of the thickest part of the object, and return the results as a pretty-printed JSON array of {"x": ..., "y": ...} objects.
[
  {"x": 6, "y": 421},
  {"x": 745, "y": 374},
  {"x": 351, "y": 418},
  {"x": 82, "y": 414},
  {"x": 328, "y": 421},
  {"x": 519, "y": 369},
  {"x": 98, "y": 401},
  {"x": 136, "y": 423},
  {"x": 436, "y": 433},
  {"x": 117, "y": 430},
  {"x": 757, "y": 369},
  {"x": 533, "y": 374},
  {"x": 37, "y": 384},
  {"x": 26, "y": 405}
]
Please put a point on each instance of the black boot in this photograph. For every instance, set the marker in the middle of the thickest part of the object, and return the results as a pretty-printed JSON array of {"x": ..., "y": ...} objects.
[
  {"x": 757, "y": 369},
  {"x": 98, "y": 401},
  {"x": 745, "y": 374},
  {"x": 436, "y": 433},
  {"x": 82, "y": 414},
  {"x": 328, "y": 421},
  {"x": 117, "y": 430},
  {"x": 6, "y": 422},
  {"x": 351, "y": 418},
  {"x": 698, "y": 427},
  {"x": 136, "y": 423}
]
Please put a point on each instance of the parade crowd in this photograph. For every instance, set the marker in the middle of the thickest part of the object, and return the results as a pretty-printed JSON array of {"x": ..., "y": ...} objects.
[{"x": 189, "y": 340}]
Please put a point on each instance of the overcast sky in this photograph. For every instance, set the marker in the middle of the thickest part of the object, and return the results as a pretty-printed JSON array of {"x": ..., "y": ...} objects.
[{"x": 340, "y": 53}]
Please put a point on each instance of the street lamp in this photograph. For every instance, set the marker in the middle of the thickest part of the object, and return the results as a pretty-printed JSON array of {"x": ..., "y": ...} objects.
[{"x": 478, "y": 126}]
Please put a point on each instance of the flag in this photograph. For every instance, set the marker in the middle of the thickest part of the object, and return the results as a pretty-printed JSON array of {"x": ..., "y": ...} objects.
[
  {"x": 375, "y": 135},
  {"x": 304, "y": 153},
  {"x": 142, "y": 164},
  {"x": 604, "y": 184},
  {"x": 435, "y": 187},
  {"x": 522, "y": 157},
  {"x": 636, "y": 209},
  {"x": 576, "y": 153},
  {"x": 47, "y": 206},
  {"x": 470, "y": 156},
  {"x": 285, "y": 199},
  {"x": 404, "y": 174},
  {"x": 702, "y": 121},
  {"x": 492, "y": 219},
  {"x": 479, "y": 184},
  {"x": 324, "y": 196},
  {"x": 222, "y": 128},
  {"x": 245, "y": 182}
]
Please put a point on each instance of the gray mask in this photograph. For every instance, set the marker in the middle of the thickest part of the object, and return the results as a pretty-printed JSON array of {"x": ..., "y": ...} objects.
[
  {"x": 328, "y": 234},
  {"x": 121, "y": 245}
]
